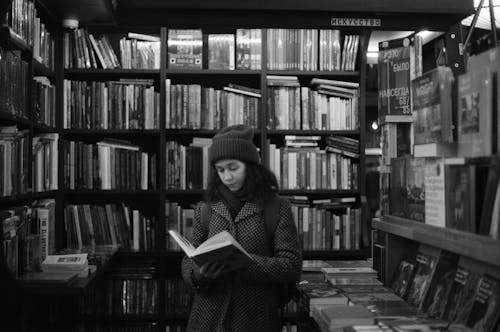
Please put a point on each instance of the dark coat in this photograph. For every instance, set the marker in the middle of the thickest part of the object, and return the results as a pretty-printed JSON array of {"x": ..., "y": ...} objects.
[{"x": 245, "y": 300}]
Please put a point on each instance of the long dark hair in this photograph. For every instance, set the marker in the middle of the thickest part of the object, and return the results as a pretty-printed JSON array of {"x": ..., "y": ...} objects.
[{"x": 260, "y": 183}]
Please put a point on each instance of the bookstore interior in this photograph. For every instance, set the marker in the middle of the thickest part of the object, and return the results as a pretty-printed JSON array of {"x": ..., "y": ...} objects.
[{"x": 380, "y": 120}]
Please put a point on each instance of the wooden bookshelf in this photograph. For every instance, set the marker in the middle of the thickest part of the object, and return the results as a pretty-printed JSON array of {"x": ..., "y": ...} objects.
[{"x": 478, "y": 247}]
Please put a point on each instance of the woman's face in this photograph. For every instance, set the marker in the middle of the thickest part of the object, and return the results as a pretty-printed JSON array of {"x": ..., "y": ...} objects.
[{"x": 232, "y": 173}]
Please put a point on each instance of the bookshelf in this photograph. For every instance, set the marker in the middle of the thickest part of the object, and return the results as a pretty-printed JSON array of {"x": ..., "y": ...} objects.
[
  {"x": 475, "y": 246},
  {"x": 151, "y": 201}
]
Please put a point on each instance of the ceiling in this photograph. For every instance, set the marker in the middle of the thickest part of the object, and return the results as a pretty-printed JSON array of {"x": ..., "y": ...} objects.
[
  {"x": 484, "y": 21},
  {"x": 109, "y": 12}
]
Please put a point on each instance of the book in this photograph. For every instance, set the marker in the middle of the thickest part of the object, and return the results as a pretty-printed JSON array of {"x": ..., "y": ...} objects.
[
  {"x": 314, "y": 265},
  {"x": 475, "y": 113},
  {"x": 221, "y": 51},
  {"x": 221, "y": 247},
  {"x": 70, "y": 262},
  {"x": 432, "y": 106},
  {"x": 488, "y": 208},
  {"x": 402, "y": 277},
  {"x": 435, "y": 198},
  {"x": 440, "y": 284},
  {"x": 335, "y": 318},
  {"x": 462, "y": 293},
  {"x": 185, "y": 48},
  {"x": 485, "y": 311},
  {"x": 398, "y": 64},
  {"x": 424, "y": 270},
  {"x": 494, "y": 231},
  {"x": 337, "y": 281},
  {"x": 314, "y": 293},
  {"x": 414, "y": 200},
  {"x": 460, "y": 188},
  {"x": 349, "y": 272}
]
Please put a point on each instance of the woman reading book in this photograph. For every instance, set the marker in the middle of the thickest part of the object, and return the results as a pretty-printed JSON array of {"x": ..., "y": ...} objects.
[{"x": 243, "y": 299}]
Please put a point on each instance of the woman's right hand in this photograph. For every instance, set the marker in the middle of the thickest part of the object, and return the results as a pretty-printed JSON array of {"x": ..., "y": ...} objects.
[{"x": 210, "y": 271}]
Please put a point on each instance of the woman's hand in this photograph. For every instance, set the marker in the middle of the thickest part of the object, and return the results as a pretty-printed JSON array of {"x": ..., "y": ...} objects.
[{"x": 210, "y": 271}]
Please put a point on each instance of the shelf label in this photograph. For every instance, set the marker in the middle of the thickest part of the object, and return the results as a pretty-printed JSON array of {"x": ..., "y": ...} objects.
[{"x": 356, "y": 22}]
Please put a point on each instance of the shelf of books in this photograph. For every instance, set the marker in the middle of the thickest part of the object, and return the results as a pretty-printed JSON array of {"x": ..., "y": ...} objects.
[
  {"x": 437, "y": 240},
  {"x": 475, "y": 246},
  {"x": 121, "y": 125}
]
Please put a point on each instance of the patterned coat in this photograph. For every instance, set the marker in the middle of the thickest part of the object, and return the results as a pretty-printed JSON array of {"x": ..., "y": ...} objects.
[{"x": 245, "y": 300}]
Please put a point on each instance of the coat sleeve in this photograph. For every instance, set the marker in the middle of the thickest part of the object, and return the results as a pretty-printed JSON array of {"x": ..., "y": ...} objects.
[
  {"x": 286, "y": 263},
  {"x": 200, "y": 233}
]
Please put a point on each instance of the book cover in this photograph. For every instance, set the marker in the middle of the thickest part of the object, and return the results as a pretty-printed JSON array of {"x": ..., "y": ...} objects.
[
  {"x": 313, "y": 293},
  {"x": 432, "y": 106},
  {"x": 314, "y": 265},
  {"x": 403, "y": 277},
  {"x": 397, "y": 191},
  {"x": 489, "y": 196},
  {"x": 221, "y": 51},
  {"x": 494, "y": 230},
  {"x": 396, "y": 68},
  {"x": 424, "y": 270},
  {"x": 475, "y": 113},
  {"x": 462, "y": 294},
  {"x": 460, "y": 197},
  {"x": 435, "y": 202},
  {"x": 221, "y": 247},
  {"x": 440, "y": 285},
  {"x": 185, "y": 48},
  {"x": 362, "y": 298},
  {"x": 415, "y": 189},
  {"x": 485, "y": 310}
]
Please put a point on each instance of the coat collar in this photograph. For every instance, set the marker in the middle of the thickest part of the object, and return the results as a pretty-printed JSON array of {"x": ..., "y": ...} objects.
[{"x": 249, "y": 209}]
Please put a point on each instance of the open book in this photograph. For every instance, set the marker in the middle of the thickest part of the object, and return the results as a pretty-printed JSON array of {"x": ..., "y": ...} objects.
[{"x": 221, "y": 247}]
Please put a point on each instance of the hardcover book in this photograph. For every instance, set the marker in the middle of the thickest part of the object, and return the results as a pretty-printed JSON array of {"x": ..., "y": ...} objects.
[
  {"x": 432, "y": 106},
  {"x": 475, "y": 113},
  {"x": 221, "y": 247},
  {"x": 185, "y": 48}
]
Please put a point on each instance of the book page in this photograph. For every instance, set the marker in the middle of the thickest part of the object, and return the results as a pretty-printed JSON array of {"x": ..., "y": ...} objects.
[
  {"x": 186, "y": 246},
  {"x": 222, "y": 239}
]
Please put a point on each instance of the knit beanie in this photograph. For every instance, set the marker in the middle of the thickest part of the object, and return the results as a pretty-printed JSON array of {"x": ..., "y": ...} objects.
[{"x": 234, "y": 142}]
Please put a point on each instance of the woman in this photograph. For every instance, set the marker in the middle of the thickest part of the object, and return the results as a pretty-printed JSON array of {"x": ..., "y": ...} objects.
[{"x": 245, "y": 299}]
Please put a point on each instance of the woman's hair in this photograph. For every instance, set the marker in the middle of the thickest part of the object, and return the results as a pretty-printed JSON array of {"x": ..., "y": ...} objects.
[{"x": 260, "y": 182}]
